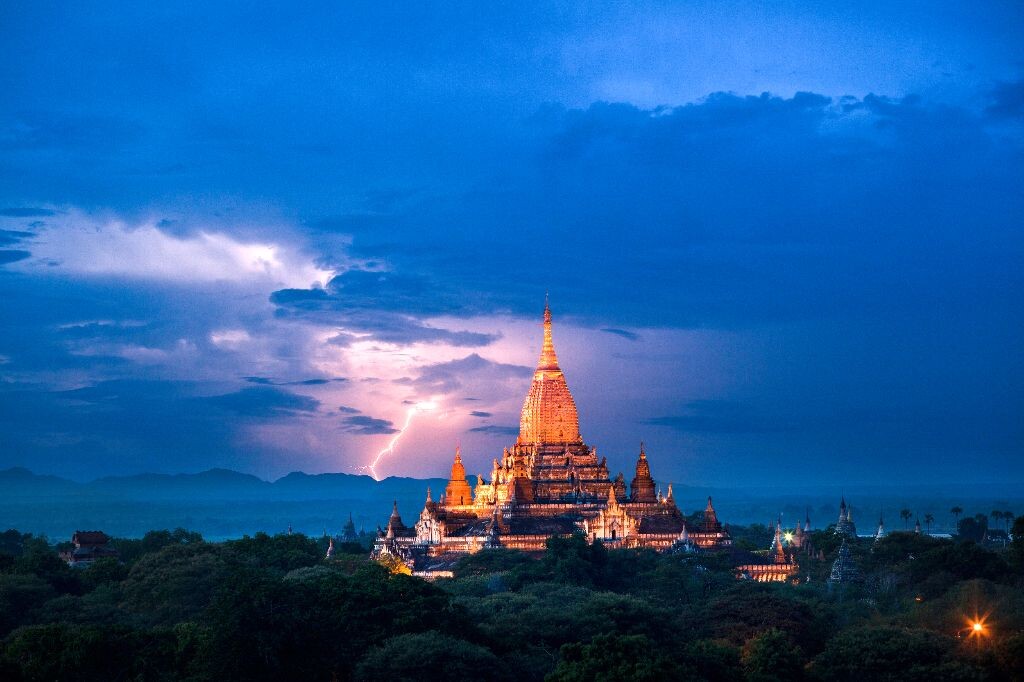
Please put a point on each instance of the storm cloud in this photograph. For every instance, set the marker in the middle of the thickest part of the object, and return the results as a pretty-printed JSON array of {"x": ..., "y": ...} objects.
[{"x": 761, "y": 233}]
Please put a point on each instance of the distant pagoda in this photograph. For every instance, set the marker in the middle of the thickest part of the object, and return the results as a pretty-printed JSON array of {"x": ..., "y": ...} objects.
[
  {"x": 844, "y": 526},
  {"x": 549, "y": 482},
  {"x": 348, "y": 532},
  {"x": 844, "y": 570}
]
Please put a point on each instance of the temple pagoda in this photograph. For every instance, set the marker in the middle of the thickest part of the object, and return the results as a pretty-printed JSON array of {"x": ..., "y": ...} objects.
[
  {"x": 844, "y": 570},
  {"x": 844, "y": 526},
  {"x": 549, "y": 482}
]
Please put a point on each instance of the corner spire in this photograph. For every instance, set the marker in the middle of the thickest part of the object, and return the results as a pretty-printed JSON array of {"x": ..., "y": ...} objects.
[{"x": 458, "y": 490}]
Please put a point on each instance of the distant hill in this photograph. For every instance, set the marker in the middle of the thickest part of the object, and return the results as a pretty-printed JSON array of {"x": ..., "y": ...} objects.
[
  {"x": 218, "y": 503},
  {"x": 215, "y": 484},
  {"x": 221, "y": 503}
]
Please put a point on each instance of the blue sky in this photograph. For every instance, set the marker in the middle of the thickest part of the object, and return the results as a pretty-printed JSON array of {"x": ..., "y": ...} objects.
[{"x": 782, "y": 244}]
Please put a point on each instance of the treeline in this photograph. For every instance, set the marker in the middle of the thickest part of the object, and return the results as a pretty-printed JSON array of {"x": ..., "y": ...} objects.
[{"x": 272, "y": 608}]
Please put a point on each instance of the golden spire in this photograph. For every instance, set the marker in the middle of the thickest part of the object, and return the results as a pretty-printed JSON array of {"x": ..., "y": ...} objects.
[
  {"x": 549, "y": 412},
  {"x": 548, "y": 359}
]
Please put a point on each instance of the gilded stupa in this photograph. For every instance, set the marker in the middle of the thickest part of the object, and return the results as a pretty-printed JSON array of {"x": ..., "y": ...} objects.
[
  {"x": 549, "y": 482},
  {"x": 549, "y": 412}
]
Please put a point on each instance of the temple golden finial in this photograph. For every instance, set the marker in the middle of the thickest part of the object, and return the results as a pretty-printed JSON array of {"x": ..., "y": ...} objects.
[{"x": 548, "y": 359}]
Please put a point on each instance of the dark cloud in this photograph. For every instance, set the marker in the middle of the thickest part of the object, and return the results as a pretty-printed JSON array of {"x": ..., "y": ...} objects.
[
  {"x": 446, "y": 377},
  {"x": 1007, "y": 100},
  {"x": 362, "y": 425},
  {"x": 105, "y": 330},
  {"x": 728, "y": 207},
  {"x": 26, "y": 212},
  {"x": 9, "y": 237},
  {"x": 13, "y": 255},
  {"x": 125, "y": 425},
  {"x": 493, "y": 430},
  {"x": 262, "y": 402},
  {"x": 266, "y": 381},
  {"x": 138, "y": 425},
  {"x": 342, "y": 339},
  {"x": 41, "y": 131},
  {"x": 632, "y": 336},
  {"x": 354, "y": 311},
  {"x": 303, "y": 299},
  {"x": 478, "y": 413},
  {"x": 344, "y": 409},
  {"x": 720, "y": 417}
]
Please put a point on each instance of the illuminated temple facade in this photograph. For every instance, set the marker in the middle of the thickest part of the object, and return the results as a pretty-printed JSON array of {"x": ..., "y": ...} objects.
[{"x": 549, "y": 482}]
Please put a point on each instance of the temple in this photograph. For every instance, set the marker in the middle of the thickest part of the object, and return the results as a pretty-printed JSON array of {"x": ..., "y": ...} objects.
[
  {"x": 88, "y": 546},
  {"x": 778, "y": 566},
  {"x": 844, "y": 526},
  {"x": 548, "y": 483}
]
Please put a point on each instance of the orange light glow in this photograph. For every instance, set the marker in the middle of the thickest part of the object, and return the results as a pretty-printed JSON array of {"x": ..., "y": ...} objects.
[{"x": 977, "y": 627}]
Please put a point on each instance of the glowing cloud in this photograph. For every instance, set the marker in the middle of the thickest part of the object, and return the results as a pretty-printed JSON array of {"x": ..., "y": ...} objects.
[{"x": 86, "y": 245}]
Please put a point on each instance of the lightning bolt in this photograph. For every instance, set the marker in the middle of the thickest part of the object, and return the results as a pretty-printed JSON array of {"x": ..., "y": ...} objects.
[{"x": 425, "y": 406}]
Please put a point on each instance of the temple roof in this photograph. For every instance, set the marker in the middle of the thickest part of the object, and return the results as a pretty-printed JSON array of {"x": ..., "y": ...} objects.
[
  {"x": 549, "y": 411},
  {"x": 661, "y": 525},
  {"x": 90, "y": 537},
  {"x": 542, "y": 525}
]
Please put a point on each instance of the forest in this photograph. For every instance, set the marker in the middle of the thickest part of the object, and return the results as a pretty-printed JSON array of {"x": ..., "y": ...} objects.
[{"x": 176, "y": 607}]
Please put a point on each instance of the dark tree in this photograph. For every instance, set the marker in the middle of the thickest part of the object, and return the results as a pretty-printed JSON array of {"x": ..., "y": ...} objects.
[
  {"x": 611, "y": 658},
  {"x": 956, "y": 512},
  {"x": 407, "y": 657},
  {"x": 772, "y": 657},
  {"x": 886, "y": 653}
]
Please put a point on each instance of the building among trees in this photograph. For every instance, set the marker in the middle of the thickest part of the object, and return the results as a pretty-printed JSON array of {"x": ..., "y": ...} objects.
[
  {"x": 778, "y": 566},
  {"x": 88, "y": 546}
]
